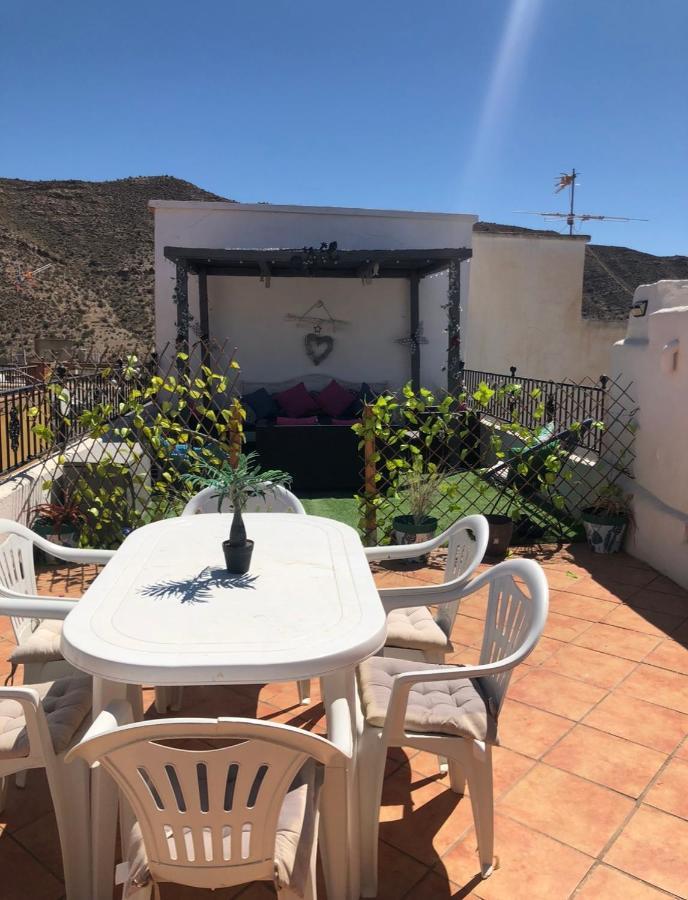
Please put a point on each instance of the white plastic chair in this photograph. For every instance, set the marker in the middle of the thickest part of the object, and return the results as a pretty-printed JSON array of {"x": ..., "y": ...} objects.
[
  {"x": 213, "y": 817},
  {"x": 413, "y": 632},
  {"x": 38, "y": 639},
  {"x": 38, "y": 722},
  {"x": 451, "y": 711},
  {"x": 276, "y": 499}
]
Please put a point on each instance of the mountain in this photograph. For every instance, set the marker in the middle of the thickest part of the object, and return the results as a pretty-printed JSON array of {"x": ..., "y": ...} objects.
[{"x": 97, "y": 239}]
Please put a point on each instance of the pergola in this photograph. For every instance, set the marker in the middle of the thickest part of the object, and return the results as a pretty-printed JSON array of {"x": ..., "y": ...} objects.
[{"x": 326, "y": 262}]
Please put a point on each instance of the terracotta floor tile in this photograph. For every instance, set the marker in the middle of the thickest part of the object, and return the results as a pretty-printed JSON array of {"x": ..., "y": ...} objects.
[
  {"x": 421, "y": 816},
  {"x": 587, "y": 586},
  {"x": 669, "y": 655},
  {"x": 388, "y": 579},
  {"x": 617, "y": 641},
  {"x": 646, "y": 621},
  {"x": 606, "y": 759},
  {"x": 528, "y": 730},
  {"x": 682, "y": 751},
  {"x": 652, "y": 847},
  {"x": 24, "y": 877},
  {"x": 257, "y": 890},
  {"x": 673, "y": 604},
  {"x": 556, "y": 693},
  {"x": 26, "y": 805},
  {"x": 670, "y": 790},
  {"x": 667, "y": 586},
  {"x": 638, "y": 721},
  {"x": 592, "y": 609},
  {"x": 436, "y": 886},
  {"x": 531, "y": 866},
  {"x": 660, "y": 686},
  {"x": 620, "y": 574},
  {"x": 589, "y": 665},
  {"x": 42, "y": 840},
  {"x": 564, "y": 628},
  {"x": 563, "y": 806},
  {"x": 507, "y": 768},
  {"x": 604, "y": 883},
  {"x": 400, "y": 873},
  {"x": 469, "y": 631},
  {"x": 544, "y": 649}
]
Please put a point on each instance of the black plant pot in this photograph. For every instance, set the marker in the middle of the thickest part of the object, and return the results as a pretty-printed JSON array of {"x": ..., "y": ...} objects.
[
  {"x": 501, "y": 530},
  {"x": 237, "y": 558}
]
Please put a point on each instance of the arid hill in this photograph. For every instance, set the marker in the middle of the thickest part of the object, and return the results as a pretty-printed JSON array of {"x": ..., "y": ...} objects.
[{"x": 98, "y": 239}]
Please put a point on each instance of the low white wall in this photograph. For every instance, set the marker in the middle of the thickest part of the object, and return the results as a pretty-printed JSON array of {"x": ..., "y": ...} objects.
[
  {"x": 524, "y": 309},
  {"x": 252, "y": 317},
  {"x": 653, "y": 357}
]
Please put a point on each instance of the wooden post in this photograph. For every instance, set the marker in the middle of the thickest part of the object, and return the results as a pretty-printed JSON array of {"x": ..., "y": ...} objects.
[
  {"x": 369, "y": 480},
  {"x": 414, "y": 319},
  {"x": 454, "y": 366},
  {"x": 182, "y": 301},
  {"x": 236, "y": 433},
  {"x": 203, "y": 316}
]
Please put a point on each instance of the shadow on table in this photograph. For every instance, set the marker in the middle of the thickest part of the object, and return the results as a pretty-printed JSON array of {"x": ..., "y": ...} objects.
[{"x": 199, "y": 588}]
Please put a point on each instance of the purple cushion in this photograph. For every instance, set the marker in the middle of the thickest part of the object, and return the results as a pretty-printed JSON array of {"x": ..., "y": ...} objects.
[
  {"x": 334, "y": 399},
  {"x": 303, "y": 420},
  {"x": 296, "y": 402},
  {"x": 348, "y": 422}
]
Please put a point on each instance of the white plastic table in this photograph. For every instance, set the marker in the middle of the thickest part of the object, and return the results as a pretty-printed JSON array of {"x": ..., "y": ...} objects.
[{"x": 164, "y": 611}]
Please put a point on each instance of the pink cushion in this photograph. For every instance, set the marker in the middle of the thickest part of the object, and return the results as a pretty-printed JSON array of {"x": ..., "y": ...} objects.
[
  {"x": 334, "y": 399},
  {"x": 296, "y": 401},
  {"x": 348, "y": 422},
  {"x": 304, "y": 420}
]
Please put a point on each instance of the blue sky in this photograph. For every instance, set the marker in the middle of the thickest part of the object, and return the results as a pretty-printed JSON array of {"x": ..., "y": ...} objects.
[{"x": 457, "y": 105}]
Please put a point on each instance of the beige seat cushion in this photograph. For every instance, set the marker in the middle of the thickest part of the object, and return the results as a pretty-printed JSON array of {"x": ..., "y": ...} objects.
[
  {"x": 415, "y": 629},
  {"x": 66, "y": 703},
  {"x": 455, "y": 707},
  {"x": 43, "y": 645}
]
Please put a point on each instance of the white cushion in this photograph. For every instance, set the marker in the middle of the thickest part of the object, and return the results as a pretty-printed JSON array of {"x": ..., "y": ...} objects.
[
  {"x": 42, "y": 645},
  {"x": 66, "y": 703},
  {"x": 415, "y": 629},
  {"x": 455, "y": 707}
]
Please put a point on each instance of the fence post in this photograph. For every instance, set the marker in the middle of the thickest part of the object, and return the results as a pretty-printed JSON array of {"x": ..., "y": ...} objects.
[
  {"x": 369, "y": 480},
  {"x": 236, "y": 433}
]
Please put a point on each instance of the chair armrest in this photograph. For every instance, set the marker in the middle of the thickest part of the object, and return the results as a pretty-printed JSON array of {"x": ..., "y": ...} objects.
[
  {"x": 422, "y": 595},
  {"x": 114, "y": 716},
  {"x": 68, "y": 554},
  {"x": 405, "y": 551},
  {"x": 30, "y": 606}
]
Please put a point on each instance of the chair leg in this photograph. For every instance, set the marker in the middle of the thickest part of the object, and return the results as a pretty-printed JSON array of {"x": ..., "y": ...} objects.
[
  {"x": 304, "y": 691},
  {"x": 20, "y": 779},
  {"x": 457, "y": 778},
  {"x": 371, "y": 773},
  {"x": 479, "y": 775},
  {"x": 69, "y": 787},
  {"x": 4, "y": 790}
]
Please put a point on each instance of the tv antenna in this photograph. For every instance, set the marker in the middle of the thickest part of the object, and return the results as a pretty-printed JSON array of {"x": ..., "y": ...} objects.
[{"x": 568, "y": 180}]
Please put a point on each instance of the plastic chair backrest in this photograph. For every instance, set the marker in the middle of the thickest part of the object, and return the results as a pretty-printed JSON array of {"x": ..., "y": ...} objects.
[
  {"x": 205, "y": 812},
  {"x": 465, "y": 550},
  {"x": 17, "y": 574},
  {"x": 514, "y": 619},
  {"x": 276, "y": 499}
]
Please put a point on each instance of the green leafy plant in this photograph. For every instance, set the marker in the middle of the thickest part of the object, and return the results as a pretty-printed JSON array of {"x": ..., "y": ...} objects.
[
  {"x": 421, "y": 487},
  {"x": 59, "y": 514},
  {"x": 613, "y": 502}
]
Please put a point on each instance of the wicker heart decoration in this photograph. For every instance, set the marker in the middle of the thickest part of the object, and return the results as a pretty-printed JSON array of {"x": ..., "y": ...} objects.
[{"x": 318, "y": 347}]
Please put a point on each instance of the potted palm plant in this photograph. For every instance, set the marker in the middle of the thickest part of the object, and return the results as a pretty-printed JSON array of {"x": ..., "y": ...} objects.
[
  {"x": 421, "y": 488},
  {"x": 60, "y": 522},
  {"x": 607, "y": 519},
  {"x": 238, "y": 483}
]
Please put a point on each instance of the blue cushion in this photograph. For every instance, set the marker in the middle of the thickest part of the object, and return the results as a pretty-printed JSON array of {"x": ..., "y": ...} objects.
[{"x": 262, "y": 403}]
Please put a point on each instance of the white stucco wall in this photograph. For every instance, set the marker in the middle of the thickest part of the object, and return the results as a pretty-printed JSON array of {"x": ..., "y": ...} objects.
[
  {"x": 252, "y": 317},
  {"x": 653, "y": 357},
  {"x": 524, "y": 309}
]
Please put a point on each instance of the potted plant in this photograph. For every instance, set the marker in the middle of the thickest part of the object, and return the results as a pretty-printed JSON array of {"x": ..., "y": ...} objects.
[
  {"x": 421, "y": 488},
  {"x": 60, "y": 522},
  {"x": 238, "y": 483},
  {"x": 606, "y": 521}
]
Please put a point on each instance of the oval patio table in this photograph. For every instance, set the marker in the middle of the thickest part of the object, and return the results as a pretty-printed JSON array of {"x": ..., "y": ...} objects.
[{"x": 164, "y": 611}]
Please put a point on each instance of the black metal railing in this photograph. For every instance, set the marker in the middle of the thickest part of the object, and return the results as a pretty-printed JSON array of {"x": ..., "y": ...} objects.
[{"x": 538, "y": 402}]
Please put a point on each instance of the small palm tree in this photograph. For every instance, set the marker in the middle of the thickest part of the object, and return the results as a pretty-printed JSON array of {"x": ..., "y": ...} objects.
[{"x": 240, "y": 482}]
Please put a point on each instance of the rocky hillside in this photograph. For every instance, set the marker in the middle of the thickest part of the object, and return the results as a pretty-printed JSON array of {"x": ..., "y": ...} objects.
[{"x": 97, "y": 238}]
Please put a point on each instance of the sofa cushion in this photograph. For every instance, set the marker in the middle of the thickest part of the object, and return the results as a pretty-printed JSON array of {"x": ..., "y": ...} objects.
[
  {"x": 66, "y": 703},
  {"x": 334, "y": 399},
  {"x": 303, "y": 420},
  {"x": 296, "y": 402},
  {"x": 262, "y": 404},
  {"x": 455, "y": 707}
]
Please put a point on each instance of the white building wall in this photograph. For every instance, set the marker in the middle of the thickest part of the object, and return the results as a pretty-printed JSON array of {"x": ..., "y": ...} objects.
[
  {"x": 524, "y": 309},
  {"x": 653, "y": 358},
  {"x": 252, "y": 317}
]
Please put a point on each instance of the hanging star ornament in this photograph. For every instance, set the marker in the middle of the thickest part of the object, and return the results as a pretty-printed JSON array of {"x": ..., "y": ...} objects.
[{"x": 414, "y": 340}]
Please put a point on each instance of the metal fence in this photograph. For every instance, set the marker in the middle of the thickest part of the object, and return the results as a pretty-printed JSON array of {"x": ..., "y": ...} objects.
[{"x": 564, "y": 401}]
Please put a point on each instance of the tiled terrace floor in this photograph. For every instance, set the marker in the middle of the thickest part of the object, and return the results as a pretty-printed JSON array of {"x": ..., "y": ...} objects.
[{"x": 591, "y": 778}]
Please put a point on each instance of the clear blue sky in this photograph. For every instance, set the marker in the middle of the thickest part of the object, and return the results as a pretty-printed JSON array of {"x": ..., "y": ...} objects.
[{"x": 459, "y": 105}]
